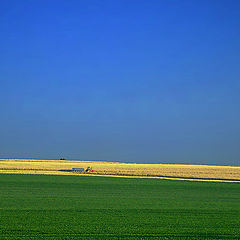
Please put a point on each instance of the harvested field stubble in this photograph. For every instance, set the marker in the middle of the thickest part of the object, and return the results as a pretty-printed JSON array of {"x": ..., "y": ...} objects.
[{"x": 125, "y": 169}]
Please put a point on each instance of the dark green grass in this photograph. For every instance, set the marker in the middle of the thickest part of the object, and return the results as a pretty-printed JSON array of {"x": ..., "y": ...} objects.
[{"x": 81, "y": 207}]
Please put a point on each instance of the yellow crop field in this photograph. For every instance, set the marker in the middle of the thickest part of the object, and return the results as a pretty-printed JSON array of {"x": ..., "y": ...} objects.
[{"x": 121, "y": 169}]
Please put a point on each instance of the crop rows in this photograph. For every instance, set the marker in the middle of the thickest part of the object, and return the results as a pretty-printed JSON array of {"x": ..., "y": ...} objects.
[{"x": 75, "y": 207}]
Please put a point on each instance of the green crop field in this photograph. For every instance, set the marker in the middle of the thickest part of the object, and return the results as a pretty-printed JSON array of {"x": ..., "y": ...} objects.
[{"x": 87, "y": 207}]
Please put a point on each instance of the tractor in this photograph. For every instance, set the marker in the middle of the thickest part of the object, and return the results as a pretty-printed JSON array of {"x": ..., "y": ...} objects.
[{"x": 89, "y": 169}]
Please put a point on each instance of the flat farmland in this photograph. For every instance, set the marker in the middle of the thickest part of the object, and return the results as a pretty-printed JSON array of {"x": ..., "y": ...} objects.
[
  {"x": 93, "y": 207},
  {"x": 207, "y": 172}
]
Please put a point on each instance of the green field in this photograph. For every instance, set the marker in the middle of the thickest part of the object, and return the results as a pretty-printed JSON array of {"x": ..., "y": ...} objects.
[{"x": 87, "y": 207}]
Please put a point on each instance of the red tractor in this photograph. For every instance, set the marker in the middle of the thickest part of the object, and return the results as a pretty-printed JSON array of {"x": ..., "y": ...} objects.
[{"x": 89, "y": 169}]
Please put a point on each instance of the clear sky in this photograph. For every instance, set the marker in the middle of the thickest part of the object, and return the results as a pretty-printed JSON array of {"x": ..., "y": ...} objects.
[{"x": 121, "y": 80}]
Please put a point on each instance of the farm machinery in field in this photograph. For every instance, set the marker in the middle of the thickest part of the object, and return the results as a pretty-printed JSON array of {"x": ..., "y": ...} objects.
[{"x": 82, "y": 170}]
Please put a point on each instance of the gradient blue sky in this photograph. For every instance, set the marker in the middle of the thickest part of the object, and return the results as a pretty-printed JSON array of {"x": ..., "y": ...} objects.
[{"x": 132, "y": 81}]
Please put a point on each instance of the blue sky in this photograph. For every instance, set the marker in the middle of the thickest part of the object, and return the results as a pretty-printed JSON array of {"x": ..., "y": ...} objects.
[{"x": 132, "y": 81}]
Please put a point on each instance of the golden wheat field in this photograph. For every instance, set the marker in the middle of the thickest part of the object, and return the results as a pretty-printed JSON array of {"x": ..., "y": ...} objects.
[{"x": 120, "y": 169}]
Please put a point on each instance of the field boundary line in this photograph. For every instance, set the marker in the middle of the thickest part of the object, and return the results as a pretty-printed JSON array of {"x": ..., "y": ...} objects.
[{"x": 49, "y": 172}]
